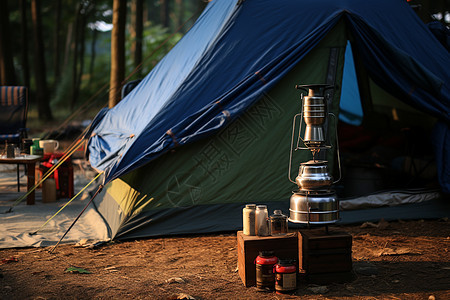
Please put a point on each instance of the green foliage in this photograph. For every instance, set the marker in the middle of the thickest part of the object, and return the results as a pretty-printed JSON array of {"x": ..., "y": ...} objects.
[
  {"x": 63, "y": 90},
  {"x": 77, "y": 270},
  {"x": 91, "y": 83},
  {"x": 157, "y": 42}
]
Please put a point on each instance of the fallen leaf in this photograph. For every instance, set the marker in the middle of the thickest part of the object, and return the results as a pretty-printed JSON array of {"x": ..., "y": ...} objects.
[
  {"x": 175, "y": 280},
  {"x": 111, "y": 269},
  {"x": 399, "y": 251},
  {"x": 9, "y": 260},
  {"x": 77, "y": 270},
  {"x": 382, "y": 224},
  {"x": 369, "y": 224},
  {"x": 185, "y": 296},
  {"x": 81, "y": 243}
]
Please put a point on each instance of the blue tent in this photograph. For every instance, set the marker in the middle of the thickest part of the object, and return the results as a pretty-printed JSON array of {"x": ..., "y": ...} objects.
[{"x": 238, "y": 51}]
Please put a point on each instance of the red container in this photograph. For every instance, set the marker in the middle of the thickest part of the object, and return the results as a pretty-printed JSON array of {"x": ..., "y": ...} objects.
[
  {"x": 285, "y": 277},
  {"x": 265, "y": 262},
  {"x": 63, "y": 175}
]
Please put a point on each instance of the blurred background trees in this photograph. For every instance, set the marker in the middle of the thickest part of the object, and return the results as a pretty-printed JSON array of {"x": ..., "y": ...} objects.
[{"x": 61, "y": 50}]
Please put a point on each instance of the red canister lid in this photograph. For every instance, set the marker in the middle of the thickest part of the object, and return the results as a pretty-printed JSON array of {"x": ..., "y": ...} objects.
[
  {"x": 285, "y": 266},
  {"x": 266, "y": 258}
]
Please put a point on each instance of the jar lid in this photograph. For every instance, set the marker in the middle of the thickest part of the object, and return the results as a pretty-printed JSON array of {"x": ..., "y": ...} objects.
[
  {"x": 266, "y": 253},
  {"x": 286, "y": 262},
  {"x": 261, "y": 206},
  {"x": 250, "y": 206}
]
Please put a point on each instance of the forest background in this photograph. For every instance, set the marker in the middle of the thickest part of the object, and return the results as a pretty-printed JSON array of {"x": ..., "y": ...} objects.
[
  {"x": 62, "y": 50},
  {"x": 75, "y": 55}
]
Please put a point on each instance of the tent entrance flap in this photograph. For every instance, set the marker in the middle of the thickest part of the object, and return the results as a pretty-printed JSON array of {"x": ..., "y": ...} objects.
[{"x": 350, "y": 106}]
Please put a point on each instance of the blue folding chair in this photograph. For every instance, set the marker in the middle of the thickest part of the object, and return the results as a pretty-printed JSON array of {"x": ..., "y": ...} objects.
[
  {"x": 13, "y": 113},
  {"x": 13, "y": 116}
]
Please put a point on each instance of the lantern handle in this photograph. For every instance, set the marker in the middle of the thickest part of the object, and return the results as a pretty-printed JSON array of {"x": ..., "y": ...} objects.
[
  {"x": 337, "y": 147},
  {"x": 292, "y": 146}
]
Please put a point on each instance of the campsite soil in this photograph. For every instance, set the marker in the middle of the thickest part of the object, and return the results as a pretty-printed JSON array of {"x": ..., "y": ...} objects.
[{"x": 396, "y": 260}]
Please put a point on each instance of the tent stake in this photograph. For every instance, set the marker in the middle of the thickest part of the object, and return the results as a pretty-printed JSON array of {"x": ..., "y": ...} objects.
[{"x": 96, "y": 193}]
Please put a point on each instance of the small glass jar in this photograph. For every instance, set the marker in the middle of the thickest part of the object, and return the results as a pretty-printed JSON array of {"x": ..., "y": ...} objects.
[
  {"x": 262, "y": 218},
  {"x": 249, "y": 219},
  {"x": 278, "y": 223}
]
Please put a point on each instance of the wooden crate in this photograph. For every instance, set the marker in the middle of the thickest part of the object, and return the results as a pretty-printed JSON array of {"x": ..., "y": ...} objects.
[
  {"x": 248, "y": 248},
  {"x": 320, "y": 252}
]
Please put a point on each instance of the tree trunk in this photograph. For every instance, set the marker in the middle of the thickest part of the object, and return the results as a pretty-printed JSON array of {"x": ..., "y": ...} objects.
[
  {"x": 76, "y": 41},
  {"x": 81, "y": 43},
  {"x": 117, "y": 51},
  {"x": 180, "y": 18},
  {"x": 165, "y": 18},
  {"x": 24, "y": 47},
  {"x": 136, "y": 32},
  {"x": 153, "y": 14},
  {"x": 69, "y": 38},
  {"x": 78, "y": 65},
  {"x": 93, "y": 52},
  {"x": 42, "y": 96},
  {"x": 93, "y": 44},
  {"x": 7, "y": 72},
  {"x": 57, "y": 43}
]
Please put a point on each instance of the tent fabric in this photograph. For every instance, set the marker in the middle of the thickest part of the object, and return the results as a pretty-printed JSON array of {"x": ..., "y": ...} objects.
[
  {"x": 441, "y": 32},
  {"x": 441, "y": 141},
  {"x": 238, "y": 50},
  {"x": 350, "y": 109},
  {"x": 231, "y": 79},
  {"x": 245, "y": 162},
  {"x": 205, "y": 218}
]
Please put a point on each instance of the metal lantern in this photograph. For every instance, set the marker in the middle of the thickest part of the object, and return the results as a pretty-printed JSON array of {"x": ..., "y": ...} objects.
[{"x": 314, "y": 202}]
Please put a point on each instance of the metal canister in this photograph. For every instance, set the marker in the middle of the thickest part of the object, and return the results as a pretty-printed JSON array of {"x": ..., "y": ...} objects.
[
  {"x": 10, "y": 150},
  {"x": 265, "y": 277},
  {"x": 278, "y": 223},
  {"x": 248, "y": 222},
  {"x": 285, "y": 276},
  {"x": 26, "y": 144}
]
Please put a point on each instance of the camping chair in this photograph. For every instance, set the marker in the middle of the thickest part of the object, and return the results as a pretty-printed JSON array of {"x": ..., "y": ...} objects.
[
  {"x": 13, "y": 116},
  {"x": 13, "y": 113}
]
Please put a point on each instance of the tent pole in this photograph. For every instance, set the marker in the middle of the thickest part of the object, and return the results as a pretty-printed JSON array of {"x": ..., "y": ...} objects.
[{"x": 76, "y": 219}]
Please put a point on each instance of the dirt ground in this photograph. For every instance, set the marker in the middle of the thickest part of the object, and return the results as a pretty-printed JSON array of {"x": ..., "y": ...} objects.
[{"x": 395, "y": 260}]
